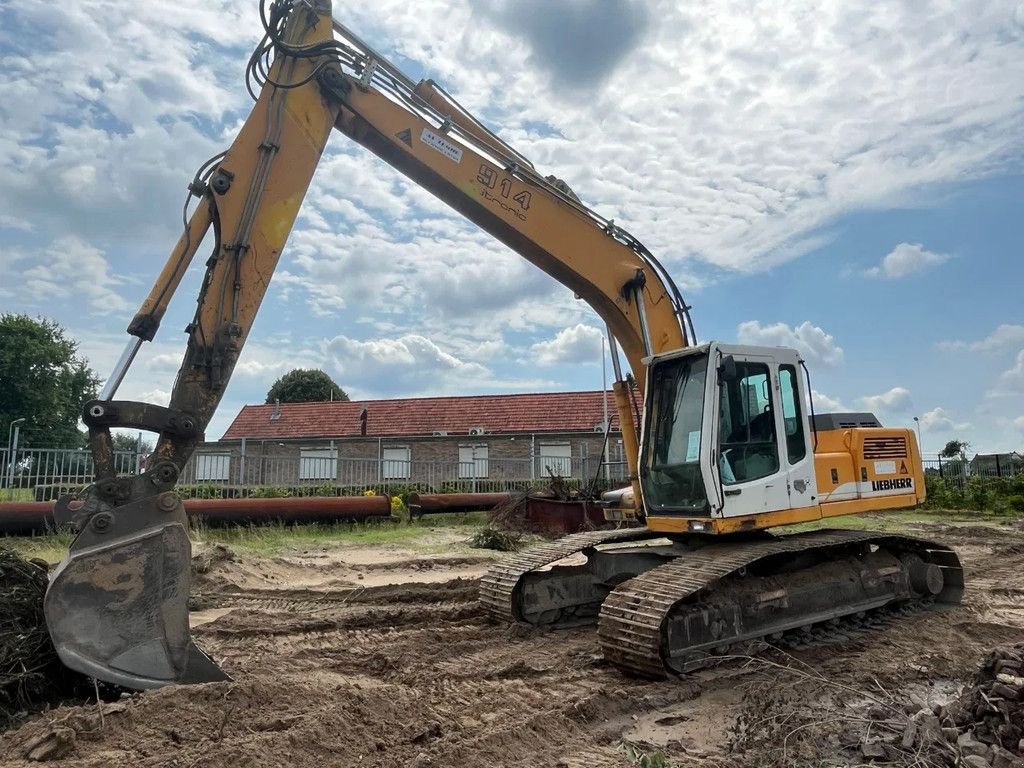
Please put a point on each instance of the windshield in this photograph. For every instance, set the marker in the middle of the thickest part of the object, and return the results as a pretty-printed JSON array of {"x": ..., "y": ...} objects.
[{"x": 670, "y": 473}]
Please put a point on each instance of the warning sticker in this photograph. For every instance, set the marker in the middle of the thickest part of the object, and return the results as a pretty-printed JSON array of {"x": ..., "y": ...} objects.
[
  {"x": 405, "y": 136},
  {"x": 885, "y": 467},
  {"x": 903, "y": 468},
  {"x": 442, "y": 145}
]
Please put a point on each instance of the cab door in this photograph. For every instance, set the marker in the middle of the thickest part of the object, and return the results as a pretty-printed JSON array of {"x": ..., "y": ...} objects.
[
  {"x": 796, "y": 446},
  {"x": 752, "y": 468}
]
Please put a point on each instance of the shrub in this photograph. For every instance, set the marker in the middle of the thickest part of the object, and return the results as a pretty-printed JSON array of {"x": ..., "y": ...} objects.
[{"x": 493, "y": 538}]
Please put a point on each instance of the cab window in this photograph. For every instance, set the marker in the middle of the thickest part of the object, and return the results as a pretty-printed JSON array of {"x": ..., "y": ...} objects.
[
  {"x": 747, "y": 439},
  {"x": 796, "y": 446}
]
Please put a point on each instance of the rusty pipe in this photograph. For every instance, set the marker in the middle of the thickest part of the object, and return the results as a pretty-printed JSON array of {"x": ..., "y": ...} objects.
[
  {"x": 431, "y": 503},
  {"x": 21, "y": 518}
]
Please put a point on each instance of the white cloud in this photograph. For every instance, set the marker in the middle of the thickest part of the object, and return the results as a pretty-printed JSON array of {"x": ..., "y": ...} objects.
[
  {"x": 1003, "y": 337},
  {"x": 896, "y": 399},
  {"x": 580, "y": 344},
  {"x": 407, "y": 365},
  {"x": 817, "y": 346},
  {"x": 72, "y": 268},
  {"x": 1019, "y": 422},
  {"x": 906, "y": 259},
  {"x": 1013, "y": 379},
  {"x": 825, "y": 404},
  {"x": 938, "y": 420}
]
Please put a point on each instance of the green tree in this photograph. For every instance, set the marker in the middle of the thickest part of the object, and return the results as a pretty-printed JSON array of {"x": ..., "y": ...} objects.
[
  {"x": 43, "y": 380},
  {"x": 129, "y": 443},
  {"x": 954, "y": 449},
  {"x": 305, "y": 386}
]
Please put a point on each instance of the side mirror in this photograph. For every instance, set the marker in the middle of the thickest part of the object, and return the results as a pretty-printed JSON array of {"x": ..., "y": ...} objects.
[{"x": 727, "y": 369}]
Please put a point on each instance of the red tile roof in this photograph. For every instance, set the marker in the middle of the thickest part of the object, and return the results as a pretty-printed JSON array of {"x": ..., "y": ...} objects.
[{"x": 540, "y": 412}]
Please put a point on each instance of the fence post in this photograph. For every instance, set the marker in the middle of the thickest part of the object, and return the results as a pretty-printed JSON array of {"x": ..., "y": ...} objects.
[
  {"x": 241, "y": 464},
  {"x": 11, "y": 462},
  {"x": 999, "y": 472}
]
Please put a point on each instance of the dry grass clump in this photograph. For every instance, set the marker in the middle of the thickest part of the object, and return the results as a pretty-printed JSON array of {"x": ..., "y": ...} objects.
[{"x": 31, "y": 675}]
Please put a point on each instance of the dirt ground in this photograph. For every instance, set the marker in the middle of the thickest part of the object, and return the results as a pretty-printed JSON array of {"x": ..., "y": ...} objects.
[{"x": 358, "y": 656}]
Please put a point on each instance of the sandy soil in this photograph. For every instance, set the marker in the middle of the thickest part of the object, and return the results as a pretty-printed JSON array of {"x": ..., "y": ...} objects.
[{"x": 400, "y": 668}]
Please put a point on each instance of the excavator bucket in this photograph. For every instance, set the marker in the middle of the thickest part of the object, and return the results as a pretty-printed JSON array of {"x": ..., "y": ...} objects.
[{"x": 117, "y": 606}]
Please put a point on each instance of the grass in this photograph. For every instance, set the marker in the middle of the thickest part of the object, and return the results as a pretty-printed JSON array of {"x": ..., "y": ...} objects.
[
  {"x": 49, "y": 547},
  {"x": 899, "y": 520},
  {"x": 277, "y": 538},
  {"x": 17, "y": 494}
]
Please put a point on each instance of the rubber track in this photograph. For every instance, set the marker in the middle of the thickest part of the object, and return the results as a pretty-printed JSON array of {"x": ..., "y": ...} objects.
[
  {"x": 631, "y": 619},
  {"x": 498, "y": 585}
]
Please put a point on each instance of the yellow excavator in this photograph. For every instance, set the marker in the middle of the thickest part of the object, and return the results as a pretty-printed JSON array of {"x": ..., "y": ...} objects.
[{"x": 724, "y": 447}]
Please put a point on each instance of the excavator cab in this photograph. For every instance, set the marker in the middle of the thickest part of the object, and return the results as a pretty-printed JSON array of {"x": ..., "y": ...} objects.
[
  {"x": 727, "y": 434},
  {"x": 730, "y": 443}
]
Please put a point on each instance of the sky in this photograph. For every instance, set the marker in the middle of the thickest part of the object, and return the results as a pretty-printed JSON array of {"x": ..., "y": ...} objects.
[{"x": 846, "y": 178}]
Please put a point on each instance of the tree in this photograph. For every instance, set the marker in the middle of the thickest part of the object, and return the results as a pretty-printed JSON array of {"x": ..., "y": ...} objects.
[
  {"x": 305, "y": 386},
  {"x": 130, "y": 443},
  {"x": 43, "y": 380},
  {"x": 954, "y": 449}
]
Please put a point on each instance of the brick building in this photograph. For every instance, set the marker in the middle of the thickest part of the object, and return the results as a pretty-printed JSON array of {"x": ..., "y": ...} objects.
[{"x": 432, "y": 440}]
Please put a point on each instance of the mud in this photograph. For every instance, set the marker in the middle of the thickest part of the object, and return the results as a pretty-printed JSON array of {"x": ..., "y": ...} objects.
[{"x": 331, "y": 670}]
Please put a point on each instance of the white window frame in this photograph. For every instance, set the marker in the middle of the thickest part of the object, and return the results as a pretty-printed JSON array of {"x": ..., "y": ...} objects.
[
  {"x": 212, "y": 467},
  {"x": 556, "y": 461},
  {"x": 318, "y": 464},
  {"x": 392, "y": 467},
  {"x": 473, "y": 462}
]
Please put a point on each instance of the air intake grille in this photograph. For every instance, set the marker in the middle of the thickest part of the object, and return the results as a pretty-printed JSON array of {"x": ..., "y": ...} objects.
[{"x": 885, "y": 447}]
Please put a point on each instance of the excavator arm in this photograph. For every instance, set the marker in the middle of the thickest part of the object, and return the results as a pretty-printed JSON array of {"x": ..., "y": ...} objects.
[{"x": 116, "y": 606}]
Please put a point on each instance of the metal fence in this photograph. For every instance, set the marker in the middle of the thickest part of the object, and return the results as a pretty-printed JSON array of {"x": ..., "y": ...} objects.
[
  {"x": 956, "y": 471},
  {"x": 43, "y": 474}
]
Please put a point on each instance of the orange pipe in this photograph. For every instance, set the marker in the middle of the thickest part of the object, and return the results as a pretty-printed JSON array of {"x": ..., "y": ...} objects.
[
  {"x": 37, "y": 516},
  {"x": 426, "y": 503}
]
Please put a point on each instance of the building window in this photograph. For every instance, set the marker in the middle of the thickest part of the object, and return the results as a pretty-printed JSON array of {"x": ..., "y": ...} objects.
[
  {"x": 318, "y": 464},
  {"x": 472, "y": 461},
  {"x": 213, "y": 466},
  {"x": 395, "y": 464},
  {"x": 556, "y": 459}
]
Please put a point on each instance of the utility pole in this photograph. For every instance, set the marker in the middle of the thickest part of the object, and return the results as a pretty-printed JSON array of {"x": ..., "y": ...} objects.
[
  {"x": 604, "y": 400},
  {"x": 12, "y": 449}
]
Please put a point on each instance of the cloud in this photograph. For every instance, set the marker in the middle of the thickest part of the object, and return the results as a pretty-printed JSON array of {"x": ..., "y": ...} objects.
[
  {"x": 896, "y": 399},
  {"x": 936, "y": 420},
  {"x": 1005, "y": 336},
  {"x": 825, "y": 404},
  {"x": 817, "y": 346},
  {"x": 580, "y": 344},
  {"x": 1019, "y": 422},
  {"x": 906, "y": 259},
  {"x": 578, "y": 44},
  {"x": 407, "y": 365},
  {"x": 72, "y": 268},
  {"x": 1013, "y": 379}
]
